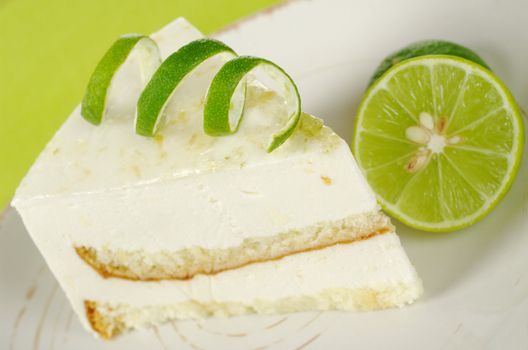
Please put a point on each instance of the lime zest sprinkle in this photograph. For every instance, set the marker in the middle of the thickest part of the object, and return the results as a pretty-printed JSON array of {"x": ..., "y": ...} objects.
[
  {"x": 225, "y": 100},
  {"x": 168, "y": 76},
  {"x": 94, "y": 102}
]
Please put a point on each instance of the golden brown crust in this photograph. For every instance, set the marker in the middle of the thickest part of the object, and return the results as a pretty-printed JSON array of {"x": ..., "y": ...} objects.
[
  {"x": 106, "y": 328},
  {"x": 89, "y": 255}
]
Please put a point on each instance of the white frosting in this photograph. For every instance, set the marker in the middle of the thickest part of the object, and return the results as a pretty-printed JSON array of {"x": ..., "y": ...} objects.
[
  {"x": 214, "y": 210},
  {"x": 82, "y": 157}
]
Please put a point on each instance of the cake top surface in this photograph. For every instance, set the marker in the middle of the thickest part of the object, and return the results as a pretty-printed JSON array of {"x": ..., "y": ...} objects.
[{"x": 83, "y": 158}]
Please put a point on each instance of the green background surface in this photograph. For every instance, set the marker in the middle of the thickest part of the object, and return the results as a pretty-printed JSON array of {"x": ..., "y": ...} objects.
[{"x": 48, "y": 50}]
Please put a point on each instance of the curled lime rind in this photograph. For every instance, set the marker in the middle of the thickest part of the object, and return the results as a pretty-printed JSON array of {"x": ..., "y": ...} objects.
[
  {"x": 94, "y": 101},
  {"x": 226, "y": 96},
  {"x": 168, "y": 76},
  {"x": 224, "y": 104}
]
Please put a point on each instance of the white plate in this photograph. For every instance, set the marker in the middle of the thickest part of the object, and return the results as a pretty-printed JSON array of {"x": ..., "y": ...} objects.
[{"x": 476, "y": 280}]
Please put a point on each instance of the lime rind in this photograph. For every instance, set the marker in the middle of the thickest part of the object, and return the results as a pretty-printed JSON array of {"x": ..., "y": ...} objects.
[
  {"x": 514, "y": 156},
  {"x": 427, "y": 48},
  {"x": 168, "y": 76},
  {"x": 224, "y": 104},
  {"x": 95, "y": 98},
  {"x": 226, "y": 96}
]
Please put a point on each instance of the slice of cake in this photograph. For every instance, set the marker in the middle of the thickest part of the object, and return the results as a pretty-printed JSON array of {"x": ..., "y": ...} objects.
[{"x": 142, "y": 230}]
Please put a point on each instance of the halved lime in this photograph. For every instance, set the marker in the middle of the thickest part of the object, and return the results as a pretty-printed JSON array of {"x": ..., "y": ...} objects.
[
  {"x": 423, "y": 48},
  {"x": 440, "y": 140}
]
